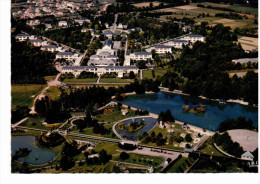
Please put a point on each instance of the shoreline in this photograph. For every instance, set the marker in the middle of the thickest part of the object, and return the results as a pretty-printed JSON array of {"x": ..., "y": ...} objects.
[{"x": 241, "y": 102}]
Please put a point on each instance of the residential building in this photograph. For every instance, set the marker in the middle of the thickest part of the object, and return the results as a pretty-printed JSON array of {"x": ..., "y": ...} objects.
[
  {"x": 247, "y": 156},
  {"x": 50, "y": 48},
  {"x": 193, "y": 38},
  {"x": 22, "y": 37},
  {"x": 161, "y": 49},
  {"x": 81, "y": 21},
  {"x": 108, "y": 34},
  {"x": 141, "y": 56},
  {"x": 76, "y": 70},
  {"x": 66, "y": 55},
  {"x": 48, "y": 26},
  {"x": 177, "y": 43},
  {"x": 62, "y": 23},
  {"x": 245, "y": 60},
  {"x": 38, "y": 42}
]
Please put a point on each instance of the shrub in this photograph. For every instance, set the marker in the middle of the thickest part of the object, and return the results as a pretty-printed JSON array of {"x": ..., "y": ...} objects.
[{"x": 124, "y": 155}]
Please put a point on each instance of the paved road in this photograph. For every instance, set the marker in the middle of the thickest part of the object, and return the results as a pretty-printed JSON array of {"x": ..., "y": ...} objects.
[
  {"x": 19, "y": 122},
  {"x": 113, "y": 28}
]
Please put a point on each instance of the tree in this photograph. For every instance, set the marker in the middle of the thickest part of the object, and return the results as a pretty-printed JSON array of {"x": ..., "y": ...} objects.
[
  {"x": 188, "y": 138},
  {"x": 104, "y": 157},
  {"x": 124, "y": 155},
  {"x": 131, "y": 75}
]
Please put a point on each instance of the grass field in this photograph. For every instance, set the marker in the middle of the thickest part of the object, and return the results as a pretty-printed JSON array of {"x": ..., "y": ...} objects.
[
  {"x": 116, "y": 80},
  {"x": 80, "y": 80},
  {"x": 25, "y": 94},
  {"x": 142, "y": 160},
  {"x": 147, "y": 74},
  {"x": 116, "y": 116},
  {"x": 248, "y": 43},
  {"x": 209, "y": 149},
  {"x": 53, "y": 92},
  {"x": 181, "y": 165},
  {"x": 35, "y": 122}
]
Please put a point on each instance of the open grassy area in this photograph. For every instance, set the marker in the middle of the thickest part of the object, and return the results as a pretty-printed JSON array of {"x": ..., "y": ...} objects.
[
  {"x": 147, "y": 74},
  {"x": 49, "y": 78},
  {"x": 106, "y": 86},
  {"x": 80, "y": 80},
  {"x": 89, "y": 131},
  {"x": 53, "y": 92},
  {"x": 36, "y": 122},
  {"x": 181, "y": 165},
  {"x": 25, "y": 94},
  {"x": 142, "y": 160},
  {"x": 209, "y": 149},
  {"x": 111, "y": 148},
  {"x": 116, "y": 80},
  {"x": 115, "y": 116}
]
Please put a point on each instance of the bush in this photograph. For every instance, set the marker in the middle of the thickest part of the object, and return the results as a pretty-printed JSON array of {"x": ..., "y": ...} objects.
[{"x": 124, "y": 156}]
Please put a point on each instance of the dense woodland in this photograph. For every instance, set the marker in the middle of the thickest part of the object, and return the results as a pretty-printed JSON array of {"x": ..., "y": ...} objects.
[
  {"x": 205, "y": 67},
  {"x": 239, "y": 123},
  {"x": 29, "y": 64}
]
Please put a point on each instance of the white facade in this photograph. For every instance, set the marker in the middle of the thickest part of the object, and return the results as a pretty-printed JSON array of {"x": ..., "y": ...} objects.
[
  {"x": 177, "y": 43},
  {"x": 63, "y": 23},
  {"x": 22, "y": 37},
  {"x": 247, "y": 156},
  {"x": 66, "y": 55},
  {"x": 161, "y": 49},
  {"x": 50, "y": 48},
  {"x": 81, "y": 21},
  {"x": 194, "y": 38},
  {"x": 38, "y": 42},
  {"x": 141, "y": 56}
]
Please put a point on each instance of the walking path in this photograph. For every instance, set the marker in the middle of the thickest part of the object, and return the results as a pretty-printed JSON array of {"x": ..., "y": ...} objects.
[{"x": 19, "y": 122}]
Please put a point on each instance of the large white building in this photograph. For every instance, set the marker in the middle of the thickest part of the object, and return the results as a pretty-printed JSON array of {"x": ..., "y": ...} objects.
[
  {"x": 161, "y": 49},
  {"x": 177, "y": 43},
  {"x": 120, "y": 70},
  {"x": 81, "y": 21},
  {"x": 245, "y": 60},
  {"x": 50, "y": 48},
  {"x": 66, "y": 55},
  {"x": 141, "y": 56},
  {"x": 38, "y": 42},
  {"x": 22, "y": 37},
  {"x": 62, "y": 23},
  {"x": 193, "y": 38}
]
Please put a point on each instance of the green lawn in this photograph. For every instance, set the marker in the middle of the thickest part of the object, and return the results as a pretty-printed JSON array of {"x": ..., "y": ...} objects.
[
  {"x": 116, "y": 80},
  {"x": 36, "y": 122},
  {"x": 49, "y": 78},
  {"x": 181, "y": 165},
  {"x": 147, "y": 74},
  {"x": 111, "y": 148},
  {"x": 53, "y": 92},
  {"x": 106, "y": 86},
  {"x": 80, "y": 80},
  {"x": 209, "y": 149},
  {"x": 142, "y": 160},
  {"x": 89, "y": 131},
  {"x": 25, "y": 94},
  {"x": 116, "y": 116}
]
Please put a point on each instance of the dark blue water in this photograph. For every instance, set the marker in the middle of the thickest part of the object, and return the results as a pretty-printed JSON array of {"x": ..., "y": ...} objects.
[
  {"x": 211, "y": 119},
  {"x": 149, "y": 124},
  {"x": 44, "y": 155}
]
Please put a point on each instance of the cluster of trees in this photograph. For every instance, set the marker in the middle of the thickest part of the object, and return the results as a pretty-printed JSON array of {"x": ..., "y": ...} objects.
[
  {"x": 157, "y": 139},
  {"x": 205, "y": 64},
  {"x": 109, "y": 75},
  {"x": 153, "y": 30},
  {"x": 67, "y": 154},
  {"x": 141, "y": 112},
  {"x": 229, "y": 15},
  {"x": 95, "y": 44},
  {"x": 53, "y": 140},
  {"x": 29, "y": 65},
  {"x": 227, "y": 144},
  {"x": 19, "y": 113},
  {"x": 66, "y": 76},
  {"x": 239, "y": 123},
  {"x": 102, "y": 158},
  {"x": 171, "y": 80},
  {"x": 252, "y": 32},
  {"x": 252, "y": 3},
  {"x": 71, "y": 36},
  {"x": 51, "y": 110},
  {"x": 154, "y": 14},
  {"x": 166, "y": 117}
]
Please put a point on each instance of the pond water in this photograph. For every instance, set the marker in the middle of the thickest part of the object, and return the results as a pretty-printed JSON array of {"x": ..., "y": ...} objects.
[
  {"x": 211, "y": 119},
  {"x": 37, "y": 155},
  {"x": 149, "y": 124}
]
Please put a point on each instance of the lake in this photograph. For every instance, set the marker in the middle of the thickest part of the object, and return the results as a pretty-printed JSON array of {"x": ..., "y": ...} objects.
[
  {"x": 44, "y": 155},
  {"x": 211, "y": 119}
]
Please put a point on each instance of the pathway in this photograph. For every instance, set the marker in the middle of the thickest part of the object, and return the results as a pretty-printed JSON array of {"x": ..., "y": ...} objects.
[
  {"x": 98, "y": 78},
  {"x": 19, "y": 122}
]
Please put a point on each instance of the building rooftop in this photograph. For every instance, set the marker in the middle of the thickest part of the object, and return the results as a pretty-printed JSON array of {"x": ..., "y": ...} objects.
[
  {"x": 49, "y": 46},
  {"x": 36, "y": 40},
  {"x": 195, "y": 35},
  {"x": 22, "y": 34},
  {"x": 162, "y": 46},
  {"x": 142, "y": 53},
  {"x": 121, "y": 67},
  {"x": 179, "y": 41},
  {"x": 245, "y": 60},
  {"x": 108, "y": 42},
  {"x": 78, "y": 67},
  {"x": 65, "y": 53}
]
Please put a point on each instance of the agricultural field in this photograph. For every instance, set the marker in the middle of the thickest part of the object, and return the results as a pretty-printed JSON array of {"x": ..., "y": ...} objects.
[
  {"x": 145, "y": 4},
  {"x": 192, "y": 11},
  {"x": 248, "y": 43},
  {"x": 24, "y": 95}
]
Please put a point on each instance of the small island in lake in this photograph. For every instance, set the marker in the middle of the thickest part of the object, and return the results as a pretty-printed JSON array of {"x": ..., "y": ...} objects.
[
  {"x": 132, "y": 127},
  {"x": 22, "y": 152},
  {"x": 196, "y": 109}
]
